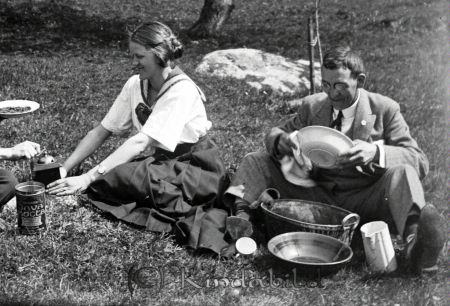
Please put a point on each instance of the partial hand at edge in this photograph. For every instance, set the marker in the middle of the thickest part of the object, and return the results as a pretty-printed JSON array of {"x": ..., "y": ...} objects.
[{"x": 26, "y": 149}]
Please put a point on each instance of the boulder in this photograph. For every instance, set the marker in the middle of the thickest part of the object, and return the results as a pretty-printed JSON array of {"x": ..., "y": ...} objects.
[{"x": 260, "y": 70}]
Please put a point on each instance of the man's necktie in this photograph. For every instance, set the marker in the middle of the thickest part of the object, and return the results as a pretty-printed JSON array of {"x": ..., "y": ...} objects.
[{"x": 337, "y": 123}]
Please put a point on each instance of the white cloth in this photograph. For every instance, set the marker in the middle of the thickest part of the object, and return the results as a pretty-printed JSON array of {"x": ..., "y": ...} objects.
[
  {"x": 347, "y": 123},
  {"x": 296, "y": 168},
  {"x": 382, "y": 160},
  {"x": 178, "y": 115}
]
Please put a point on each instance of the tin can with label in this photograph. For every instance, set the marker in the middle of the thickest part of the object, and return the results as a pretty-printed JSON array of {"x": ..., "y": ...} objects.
[{"x": 30, "y": 198}]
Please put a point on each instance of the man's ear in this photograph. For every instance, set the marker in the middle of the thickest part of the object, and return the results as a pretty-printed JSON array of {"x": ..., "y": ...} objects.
[{"x": 361, "y": 80}]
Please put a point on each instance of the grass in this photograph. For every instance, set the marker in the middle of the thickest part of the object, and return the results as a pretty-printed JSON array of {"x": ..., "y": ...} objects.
[{"x": 74, "y": 63}]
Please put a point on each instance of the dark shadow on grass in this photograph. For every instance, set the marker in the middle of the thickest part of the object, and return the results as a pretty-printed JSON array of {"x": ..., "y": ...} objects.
[
  {"x": 51, "y": 27},
  {"x": 29, "y": 302}
]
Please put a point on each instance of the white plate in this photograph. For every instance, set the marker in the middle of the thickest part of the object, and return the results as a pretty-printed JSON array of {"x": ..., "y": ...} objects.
[
  {"x": 18, "y": 103},
  {"x": 323, "y": 145}
]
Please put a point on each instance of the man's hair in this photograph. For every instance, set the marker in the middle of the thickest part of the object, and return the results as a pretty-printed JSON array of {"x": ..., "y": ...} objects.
[{"x": 343, "y": 57}]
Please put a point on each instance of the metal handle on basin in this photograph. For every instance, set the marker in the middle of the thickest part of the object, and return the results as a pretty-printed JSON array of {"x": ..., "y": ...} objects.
[
  {"x": 345, "y": 221},
  {"x": 349, "y": 228}
]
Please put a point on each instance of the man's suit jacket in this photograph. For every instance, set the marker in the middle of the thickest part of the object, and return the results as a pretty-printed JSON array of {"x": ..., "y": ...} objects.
[{"x": 377, "y": 118}]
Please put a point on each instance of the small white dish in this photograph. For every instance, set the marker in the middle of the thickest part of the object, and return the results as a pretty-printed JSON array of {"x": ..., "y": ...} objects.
[
  {"x": 246, "y": 246},
  {"x": 17, "y": 103},
  {"x": 322, "y": 145}
]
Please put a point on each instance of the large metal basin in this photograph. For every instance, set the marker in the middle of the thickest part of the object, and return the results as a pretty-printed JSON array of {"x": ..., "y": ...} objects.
[
  {"x": 310, "y": 253},
  {"x": 291, "y": 215}
]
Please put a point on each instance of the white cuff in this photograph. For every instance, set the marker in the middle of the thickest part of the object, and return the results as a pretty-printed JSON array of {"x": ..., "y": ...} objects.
[{"x": 382, "y": 159}]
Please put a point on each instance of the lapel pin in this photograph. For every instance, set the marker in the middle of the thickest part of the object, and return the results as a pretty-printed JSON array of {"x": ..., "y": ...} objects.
[{"x": 363, "y": 122}]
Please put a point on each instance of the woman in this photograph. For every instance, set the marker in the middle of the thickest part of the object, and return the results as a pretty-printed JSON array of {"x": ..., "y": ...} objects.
[{"x": 181, "y": 175}]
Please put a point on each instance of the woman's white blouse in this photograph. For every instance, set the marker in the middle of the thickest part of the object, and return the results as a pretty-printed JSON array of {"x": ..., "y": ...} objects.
[{"x": 178, "y": 116}]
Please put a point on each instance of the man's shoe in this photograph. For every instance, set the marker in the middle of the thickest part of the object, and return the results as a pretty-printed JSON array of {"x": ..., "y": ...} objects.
[
  {"x": 237, "y": 227},
  {"x": 424, "y": 247}
]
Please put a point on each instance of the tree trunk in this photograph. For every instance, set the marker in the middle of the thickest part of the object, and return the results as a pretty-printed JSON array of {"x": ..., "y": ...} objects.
[{"x": 212, "y": 17}]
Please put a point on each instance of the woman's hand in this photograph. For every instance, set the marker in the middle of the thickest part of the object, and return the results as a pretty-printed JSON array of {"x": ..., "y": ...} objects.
[{"x": 69, "y": 185}]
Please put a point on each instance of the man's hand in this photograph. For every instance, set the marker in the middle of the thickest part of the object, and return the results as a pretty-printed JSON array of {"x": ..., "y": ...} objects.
[
  {"x": 286, "y": 145},
  {"x": 25, "y": 149},
  {"x": 267, "y": 197},
  {"x": 70, "y": 185},
  {"x": 360, "y": 154}
]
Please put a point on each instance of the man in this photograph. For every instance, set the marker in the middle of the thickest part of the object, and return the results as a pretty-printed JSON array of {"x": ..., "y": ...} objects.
[
  {"x": 25, "y": 149},
  {"x": 378, "y": 178}
]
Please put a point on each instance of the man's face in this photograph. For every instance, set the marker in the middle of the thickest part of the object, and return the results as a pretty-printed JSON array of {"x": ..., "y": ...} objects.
[
  {"x": 340, "y": 87},
  {"x": 144, "y": 60}
]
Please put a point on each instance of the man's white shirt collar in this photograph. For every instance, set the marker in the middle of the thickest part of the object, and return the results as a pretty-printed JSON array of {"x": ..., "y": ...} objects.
[{"x": 350, "y": 111}]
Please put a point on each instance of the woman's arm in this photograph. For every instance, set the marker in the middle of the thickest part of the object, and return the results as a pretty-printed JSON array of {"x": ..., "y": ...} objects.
[
  {"x": 126, "y": 152},
  {"x": 91, "y": 142}
]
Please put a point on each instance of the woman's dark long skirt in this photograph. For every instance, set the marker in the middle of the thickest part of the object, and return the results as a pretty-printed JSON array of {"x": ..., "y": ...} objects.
[{"x": 178, "y": 192}]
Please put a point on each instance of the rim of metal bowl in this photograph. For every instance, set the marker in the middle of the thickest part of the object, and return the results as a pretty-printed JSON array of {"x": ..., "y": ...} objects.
[
  {"x": 332, "y": 226},
  {"x": 311, "y": 263}
]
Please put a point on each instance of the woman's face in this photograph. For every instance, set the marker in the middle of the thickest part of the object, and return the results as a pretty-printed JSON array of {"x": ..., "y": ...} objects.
[{"x": 144, "y": 61}]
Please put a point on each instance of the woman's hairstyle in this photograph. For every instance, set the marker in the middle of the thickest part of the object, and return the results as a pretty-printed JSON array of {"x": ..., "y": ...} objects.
[
  {"x": 160, "y": 39},
  {"x": 343, "y": 57}
]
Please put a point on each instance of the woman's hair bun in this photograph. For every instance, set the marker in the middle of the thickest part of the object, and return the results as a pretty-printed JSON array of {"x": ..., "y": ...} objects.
[
  {"x": 160, "y": 39},
  {"x": 177, "y": 47}
]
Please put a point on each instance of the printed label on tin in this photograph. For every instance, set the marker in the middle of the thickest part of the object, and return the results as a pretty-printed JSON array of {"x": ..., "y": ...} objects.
[
  {"x": 37, "y": 221},
  {"x": 31, "y": 215},
  {"x": 30, "y": 198},
  {"x": 31, "y": 211}
]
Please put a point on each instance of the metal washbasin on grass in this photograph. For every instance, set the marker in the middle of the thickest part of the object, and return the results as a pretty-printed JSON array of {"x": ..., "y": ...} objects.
[
  {"x": 310, "y": 253},
  {"x": 291, "y": 215}
]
